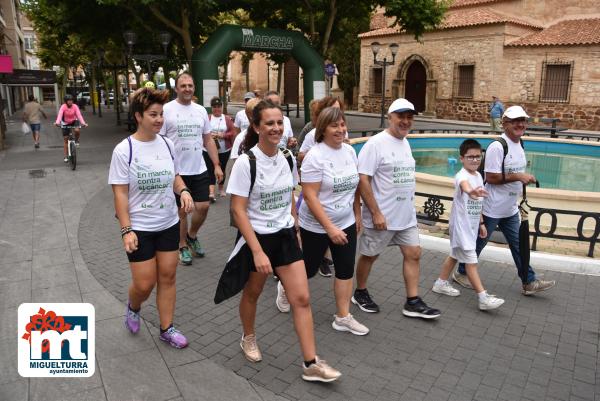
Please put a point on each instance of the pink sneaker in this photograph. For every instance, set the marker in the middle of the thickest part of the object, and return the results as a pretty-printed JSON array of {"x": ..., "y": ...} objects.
[{"x": 174, "y": 338}]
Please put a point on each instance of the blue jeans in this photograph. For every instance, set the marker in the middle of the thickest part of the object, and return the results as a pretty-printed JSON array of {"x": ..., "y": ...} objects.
[{"x": 510, "y": 228}]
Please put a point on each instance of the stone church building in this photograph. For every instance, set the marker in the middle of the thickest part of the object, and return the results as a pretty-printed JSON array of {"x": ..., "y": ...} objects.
[{"x": 541, "y": 54}]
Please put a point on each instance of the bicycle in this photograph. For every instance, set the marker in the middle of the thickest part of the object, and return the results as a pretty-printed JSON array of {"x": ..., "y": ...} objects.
[{"x": 71, "y": 145}]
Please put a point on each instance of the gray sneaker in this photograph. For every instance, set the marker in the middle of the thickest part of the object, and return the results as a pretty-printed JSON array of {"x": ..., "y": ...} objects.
[
  {"x": 349, "y": 323},
  {"x": 537, "y": 286},
  {"x": 461, "y": 279}
]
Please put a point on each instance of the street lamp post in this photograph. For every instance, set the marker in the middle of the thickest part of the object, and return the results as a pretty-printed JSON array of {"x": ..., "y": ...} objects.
[
  {"x": 164, "y": 38},
  {"x": 375, "y": 47},
  {"x": 114, "y": 68}
]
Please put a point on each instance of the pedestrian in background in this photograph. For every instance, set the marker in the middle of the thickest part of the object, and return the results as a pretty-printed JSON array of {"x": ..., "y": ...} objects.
[
  {"x": 223, "y": 132},
  {"x": 496, "y": 110},
  {"x": 32, "y": 113}
]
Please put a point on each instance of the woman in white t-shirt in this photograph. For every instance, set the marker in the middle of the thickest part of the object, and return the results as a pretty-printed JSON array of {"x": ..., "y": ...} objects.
[
  {"x": 144, "y": 175},
  {"x": 262, "y": 205},
  {"x": 239, "y": 138},
  {"x": 330, "y": 213},
  {"x": 222, "y": 131}
]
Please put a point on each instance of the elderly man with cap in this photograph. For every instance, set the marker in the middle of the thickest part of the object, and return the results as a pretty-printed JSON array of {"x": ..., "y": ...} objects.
[
  {"x": 505, "y": 177},
  {"x": 387, "y": 186},
  {"x": 241, "y": 120},
  {"x": 496, "y": 110}
]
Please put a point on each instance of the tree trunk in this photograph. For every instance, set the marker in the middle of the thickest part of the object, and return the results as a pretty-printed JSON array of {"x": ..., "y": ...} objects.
[
  {"x": 247, "y": 75},
  {"x": 279, "y": 76},
  {"x": 224, "y": 83},
  {"x": 329, "y": 27},
  {"x": 311, "y": 21},
  {"x": 183, "y": 30}
]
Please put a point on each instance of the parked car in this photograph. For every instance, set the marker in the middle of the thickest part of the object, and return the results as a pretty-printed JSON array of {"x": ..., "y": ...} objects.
[
  {"x": 111, "y": 98},
  {"x": 84, "y": 96}
]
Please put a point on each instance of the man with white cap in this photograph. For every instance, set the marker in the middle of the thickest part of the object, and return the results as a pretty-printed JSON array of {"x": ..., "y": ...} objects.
[
  {"x": 505, "y": 176},
  {"x": 241, "y": 121},
  {"x": 387, "y": 186}
]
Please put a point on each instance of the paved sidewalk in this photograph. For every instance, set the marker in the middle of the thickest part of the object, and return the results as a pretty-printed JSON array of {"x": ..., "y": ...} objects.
[{"x": 59, "y": 242}]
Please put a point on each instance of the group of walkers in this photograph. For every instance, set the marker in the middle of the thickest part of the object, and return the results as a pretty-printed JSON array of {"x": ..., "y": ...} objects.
[{"x": 164, "y": 172}]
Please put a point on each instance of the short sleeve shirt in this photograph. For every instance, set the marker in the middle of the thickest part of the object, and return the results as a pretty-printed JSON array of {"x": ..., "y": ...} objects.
[
  {"x": 337, "y": 171},
  {"x": 390, "y": 162},
  {"x": 237, "y": 142},
  {"x": 150, "y": 177},
  {"x": 219, "y": 125},
  {"x": 503, "y": 199},
  {"x": 241, "y": 120},
  {"x": 287, "y": 132},
  {"x": 185, "y": 126},
  {"x": 270, "y": 203},
  {"x": 466, "y": 212}
]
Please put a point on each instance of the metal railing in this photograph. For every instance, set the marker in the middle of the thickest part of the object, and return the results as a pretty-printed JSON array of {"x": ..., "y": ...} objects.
[
  {"x": 434, "y": 208},
  {"x": 531, "y": 132}
]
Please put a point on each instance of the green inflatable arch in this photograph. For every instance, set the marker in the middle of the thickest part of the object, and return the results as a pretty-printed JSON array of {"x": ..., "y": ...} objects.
[{"x": 233, "y": 37}]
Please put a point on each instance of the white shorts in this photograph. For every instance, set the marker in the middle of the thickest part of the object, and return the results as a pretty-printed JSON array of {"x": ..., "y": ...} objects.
[
  {"x": 373, "y": 242},
  {"x": 464, "y": 256}
]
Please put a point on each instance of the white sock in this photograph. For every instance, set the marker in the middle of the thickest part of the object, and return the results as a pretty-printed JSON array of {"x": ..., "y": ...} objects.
[
  {"x": 482, "y": 295},
  {"x": 439, "y": 281}
]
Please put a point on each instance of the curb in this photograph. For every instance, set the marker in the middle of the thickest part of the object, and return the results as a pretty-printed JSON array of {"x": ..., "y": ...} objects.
[{"x": 541, "y": 260}]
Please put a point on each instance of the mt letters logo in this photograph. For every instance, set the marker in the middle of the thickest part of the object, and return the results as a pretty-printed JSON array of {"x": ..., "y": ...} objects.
[{"x": 56, "y": 340}]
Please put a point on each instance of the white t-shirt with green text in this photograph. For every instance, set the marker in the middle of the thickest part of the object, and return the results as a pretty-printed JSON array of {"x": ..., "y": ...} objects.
[
  {"x": 465, "y": 213},
  {"x": 218, "y": 125},
  {"x": 390, "y": 162},
  {"x": 337, "y": 171},
  {"x": 186, "y": 126},
  {"x": 270, "y": 203},
  {"x": 237, "y": 142},
  {"x": 503, "y": 199},
  {"x": 150, "y": 178}
]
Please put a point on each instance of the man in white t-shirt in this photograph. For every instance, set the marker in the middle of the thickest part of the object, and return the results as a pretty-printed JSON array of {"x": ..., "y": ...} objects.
[
  {"x": 241, "y": 121},
  {"x": 187, "y": 125},
  {"x": 500, "y": 208},
  {"x": 287, "y": 139},
  {"x": 387, "y": 186}
]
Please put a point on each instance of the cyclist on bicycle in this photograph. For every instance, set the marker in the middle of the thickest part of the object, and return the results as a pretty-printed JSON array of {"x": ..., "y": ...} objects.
[{"x": 69, "y": 115}]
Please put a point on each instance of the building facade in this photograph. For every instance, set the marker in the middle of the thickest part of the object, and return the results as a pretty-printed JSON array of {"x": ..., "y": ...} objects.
[{"x": 541, "y": 54}]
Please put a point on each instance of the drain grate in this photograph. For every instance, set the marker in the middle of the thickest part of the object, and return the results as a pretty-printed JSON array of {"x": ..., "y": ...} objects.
[{"x": 38, "y": 173}]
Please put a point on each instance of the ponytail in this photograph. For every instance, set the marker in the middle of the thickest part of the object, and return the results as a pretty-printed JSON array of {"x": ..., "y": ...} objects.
[{"x": 251, "y": 138}]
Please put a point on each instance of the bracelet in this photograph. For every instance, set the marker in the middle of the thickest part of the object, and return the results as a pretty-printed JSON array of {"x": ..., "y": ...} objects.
[
  {"x": 125, "y": 230},
  {"x": 185, "y": 190}
]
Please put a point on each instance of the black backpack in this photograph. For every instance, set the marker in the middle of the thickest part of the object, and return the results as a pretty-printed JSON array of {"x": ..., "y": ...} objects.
[{"x": 505, "y": 149}]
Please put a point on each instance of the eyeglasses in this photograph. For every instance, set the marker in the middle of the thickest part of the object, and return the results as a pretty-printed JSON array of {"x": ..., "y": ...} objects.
[{"x": 473, "y": 158}]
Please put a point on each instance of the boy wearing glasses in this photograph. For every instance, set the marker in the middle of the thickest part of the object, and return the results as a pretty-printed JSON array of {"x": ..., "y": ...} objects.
[
  {"x": 466, "y": 224},
  {"x": 505, "y": 176}
]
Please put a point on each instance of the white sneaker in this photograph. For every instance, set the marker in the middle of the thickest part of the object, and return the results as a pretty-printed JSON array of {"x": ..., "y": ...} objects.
[
  {"x": 350, "y": 324},
  {"x": 281, "y": 301},
  {"x": 490, "y": 302},
  {"x": 445, "y": 288},
  {"x": 66, "y": 160}
]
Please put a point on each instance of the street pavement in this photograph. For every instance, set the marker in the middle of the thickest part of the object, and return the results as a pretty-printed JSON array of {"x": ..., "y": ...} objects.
[{"x": 59, "y": 242}]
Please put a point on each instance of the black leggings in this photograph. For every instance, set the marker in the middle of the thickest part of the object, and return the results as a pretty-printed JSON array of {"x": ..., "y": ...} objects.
[
  {"x": 314, "y": 246},
  {"x": 223, "y": 157}
]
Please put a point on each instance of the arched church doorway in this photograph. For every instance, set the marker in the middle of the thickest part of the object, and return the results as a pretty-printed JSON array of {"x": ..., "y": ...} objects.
[{"x": 416, "y": 85}]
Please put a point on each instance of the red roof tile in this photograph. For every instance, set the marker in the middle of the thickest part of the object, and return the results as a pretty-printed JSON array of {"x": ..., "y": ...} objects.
[
  {"x": 467, "y": 3},
  {"x": 460, "y": 19},
  {"x": 564, "y": 33}
]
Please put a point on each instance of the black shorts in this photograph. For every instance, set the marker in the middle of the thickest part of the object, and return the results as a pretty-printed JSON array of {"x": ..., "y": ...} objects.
[
  {"x": 223, "y": 158},
  {"x": 150, "y": 242},
  {"x": 282, "y": 248},
  {"x": 73, "y": 125},
  {"x": 198, "y": 186},
  {"x": 314, "y": 246}
]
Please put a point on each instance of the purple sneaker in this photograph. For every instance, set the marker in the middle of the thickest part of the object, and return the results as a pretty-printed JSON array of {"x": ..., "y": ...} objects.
[
  {"x": 174, "y": 338},
  {"x": 132, "y": 320}
]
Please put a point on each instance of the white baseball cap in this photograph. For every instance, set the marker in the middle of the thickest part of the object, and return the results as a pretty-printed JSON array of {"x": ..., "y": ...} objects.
[
  {"x": 249, "y": 95},
  {"x": 514, "y": 112},
  {"x": 400, "y": 105}
]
